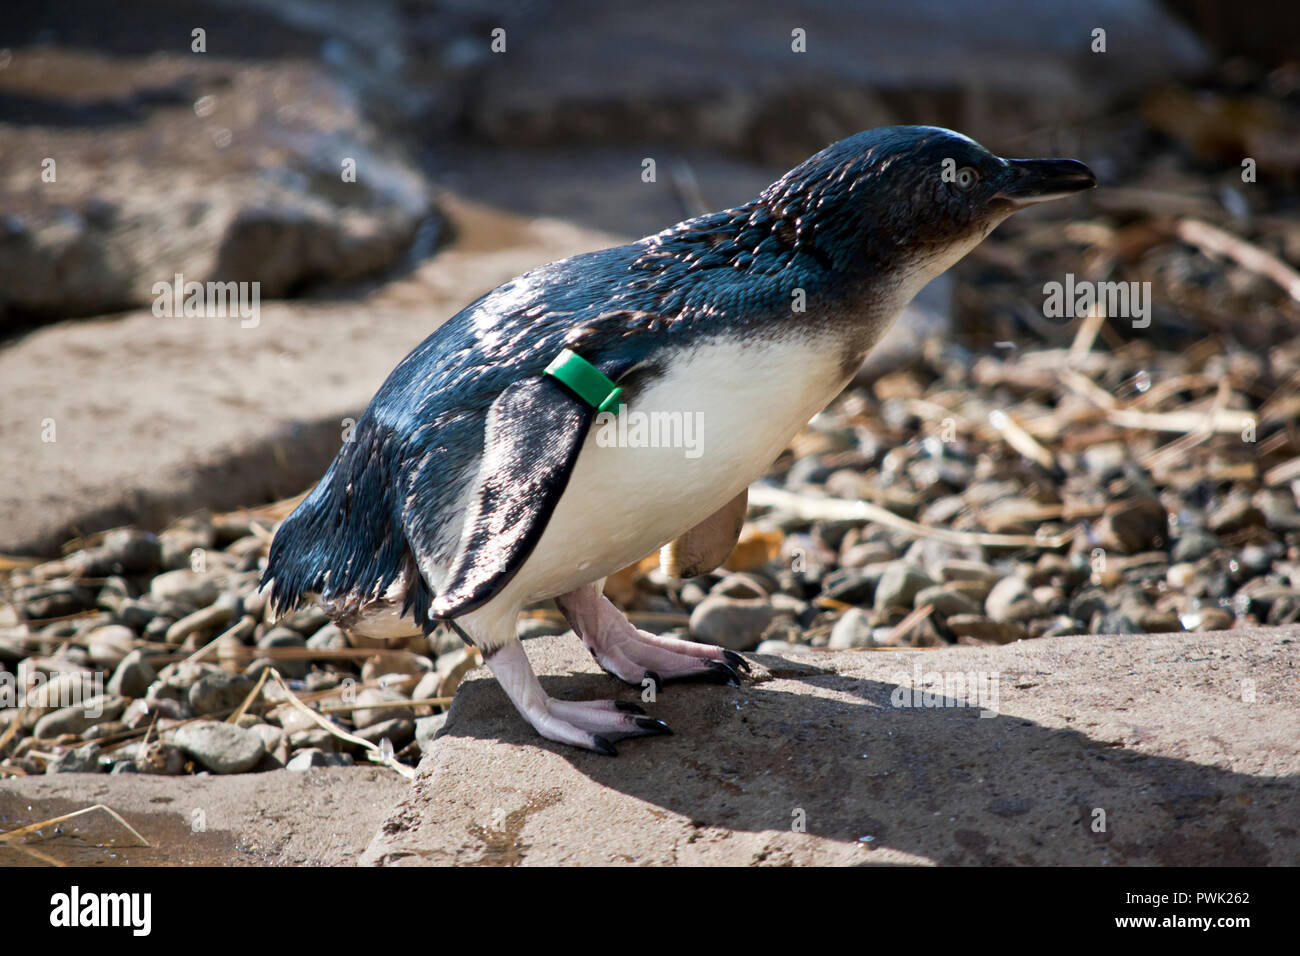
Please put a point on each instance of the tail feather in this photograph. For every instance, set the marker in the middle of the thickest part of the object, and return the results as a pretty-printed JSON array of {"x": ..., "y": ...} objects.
[{"x": 344, "y": 541}]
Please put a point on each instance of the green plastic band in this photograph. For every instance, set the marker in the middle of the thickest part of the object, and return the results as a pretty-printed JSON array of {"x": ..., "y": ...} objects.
[{"x": 585, "y": 380}]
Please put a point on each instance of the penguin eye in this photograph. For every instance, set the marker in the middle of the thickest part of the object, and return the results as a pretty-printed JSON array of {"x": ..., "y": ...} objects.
[{"x": 966, "y": 177}]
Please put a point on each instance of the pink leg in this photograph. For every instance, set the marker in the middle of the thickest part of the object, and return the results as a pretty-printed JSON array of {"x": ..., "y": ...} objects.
[
  {"x": 633, "y": 655},
  {"x": 591, "y": 724}
]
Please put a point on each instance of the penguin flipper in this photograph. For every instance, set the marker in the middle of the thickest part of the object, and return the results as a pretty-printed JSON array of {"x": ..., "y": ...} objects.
[
  {"x": 532, "y": 436},
  {"x": 708, "y": 544}
]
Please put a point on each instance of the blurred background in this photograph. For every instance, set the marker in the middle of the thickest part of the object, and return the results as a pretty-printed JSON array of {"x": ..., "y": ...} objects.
[{"x": 376, "y": 166}]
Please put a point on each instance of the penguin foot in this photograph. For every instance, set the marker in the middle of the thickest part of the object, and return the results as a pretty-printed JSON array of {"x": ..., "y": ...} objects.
[
  {"x": 590, "y": 724},
  {"x": 635, "y": 656}
]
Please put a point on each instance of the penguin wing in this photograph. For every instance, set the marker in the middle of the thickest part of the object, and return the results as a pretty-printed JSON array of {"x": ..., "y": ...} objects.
[
  {"x": 532, "y": 436},
  {"x": 708, "y": 544}
]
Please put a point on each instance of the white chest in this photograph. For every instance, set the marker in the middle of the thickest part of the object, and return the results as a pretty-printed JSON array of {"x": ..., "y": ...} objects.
[{"x": 683, "y": 448}]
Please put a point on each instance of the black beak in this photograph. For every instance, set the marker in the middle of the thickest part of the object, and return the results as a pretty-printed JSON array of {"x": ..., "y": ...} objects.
[{"x": 1030, "y": 181}]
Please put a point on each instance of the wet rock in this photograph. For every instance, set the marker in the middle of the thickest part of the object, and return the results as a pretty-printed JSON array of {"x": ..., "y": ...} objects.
[
  {"x": 220, "y": 747},
  {"x": 732, "y": 623}
]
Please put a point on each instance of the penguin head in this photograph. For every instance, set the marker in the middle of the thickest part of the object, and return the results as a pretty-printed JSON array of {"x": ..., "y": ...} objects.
[{"x": 913, "y": 200}]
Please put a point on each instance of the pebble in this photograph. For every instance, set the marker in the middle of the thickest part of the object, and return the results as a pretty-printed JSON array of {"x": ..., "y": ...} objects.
[
  {"x": 79, "y": 717},
  {"x": 1234, "y": 513},
  {"x": 956, "y": 570},
  {"x": 184, "y": 587},
  {"x": 986, "y": 628},
  {"x": 853, "y": 629},
  {"x": 946, "y": 601},
  {"x": 329, "y": 638},
  {"x": 426, "y": 728},
  {"x": 733, "y": 623},
  {"x": 1012, "y": 600},
  {"x": 400, "y": 731},
  {"x": 107, "y": 646},
  {"x": 1208, "y": 619},
  {"x": 204, "y": 621},
  {"x": 83, "y": 759},
  {"x": 900, "y": 584},
  {"x": 219, "y": 691},
  {"x": 1181, "y": 576},
  {"x": 220, "y": 747},
  {"x": 372, "y": 709},
  {"x": 160, "y": 758},
  {"x": 305, "y": 760}
]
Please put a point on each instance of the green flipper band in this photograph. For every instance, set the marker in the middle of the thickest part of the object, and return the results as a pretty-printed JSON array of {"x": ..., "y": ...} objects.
[{"x": 585, "y": 380}]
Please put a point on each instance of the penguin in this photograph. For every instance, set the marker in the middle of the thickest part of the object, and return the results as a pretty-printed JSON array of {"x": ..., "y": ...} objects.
[{"x": 507, "y": 459}]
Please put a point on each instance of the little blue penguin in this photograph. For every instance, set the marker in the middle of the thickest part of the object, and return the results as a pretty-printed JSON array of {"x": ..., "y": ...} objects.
[{"x": 485, "y": 475}]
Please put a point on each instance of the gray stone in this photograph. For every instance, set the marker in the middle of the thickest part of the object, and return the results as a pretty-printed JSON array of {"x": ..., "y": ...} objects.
[
  {"x": 946, "y": 601},
  {"x": 84, "y": 759},
  {"x": 220, "y": 747},
  {"x": 307, "y": 759},
  {"x": 732, "y": 623},
  {"x": 372, "y": 710},
  {"x": 900, "y": 584},
  {"x": 853, "y": 629},
  {"x": 400, "y": 731},
  {"x": 981, "y": 628},
  {"x": 107, "y": 646},
  {"x": 77, "y": 718},
  {"x": 161, "y": 759},
  {"x": 426, "y": 728},
  {"x": 184, "y": 587},
  {"x": 1012, "y": 600},
  {"x": 219, "y": 691}
]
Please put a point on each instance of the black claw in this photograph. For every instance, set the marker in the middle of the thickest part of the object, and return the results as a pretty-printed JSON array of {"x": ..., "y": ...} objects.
[
  {"x": 653, "y": 725},
  {"x": 720, "y": 673},
  {"x": 603, "y": 746},
  {"x": 736, "y": 661},
  {"x": 628, "y": 707},
  {"x": 658, "y": 681}
]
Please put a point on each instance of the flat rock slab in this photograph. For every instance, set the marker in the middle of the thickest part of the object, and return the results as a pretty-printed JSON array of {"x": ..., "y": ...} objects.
[
  {"x": 319, "y": 818},
  {"x": 1131, "y": 750}
]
